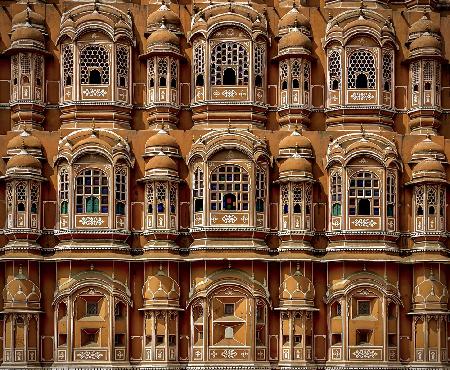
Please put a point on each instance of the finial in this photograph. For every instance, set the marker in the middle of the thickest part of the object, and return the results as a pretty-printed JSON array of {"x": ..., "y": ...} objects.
[
  {"x": 93, "y": 127},
  {"x": 298, "y": 266},
  {"x": 193, "y": 138},
  {"x": 163, "y": 22},
  {"x": 295, "y": 23},
  {"x": 92, "y": 267},
  {"x": 229, "y": 264},
  {"x": 361, "y": 4},
  {"x": 363, "y": 132},
  {"x": 20, "y": 270},
  {"x": 229, "y": 125},
  {"x": 364, "y": 267},
  {"x": 294, "y": 5}
]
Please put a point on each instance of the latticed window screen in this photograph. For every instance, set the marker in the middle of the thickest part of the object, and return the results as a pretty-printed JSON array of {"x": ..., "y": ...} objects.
[
  {"x": 161, "y": 196},
  {"x": 260, "y": 189},
  {"x": 15, "y": 69},
  {"x": 122, "y": 60},
  {"x": 94, "y": 57},
  {"x": 361, "y": 70},
  {"x": 387, "y": 71},
  {"x": 173, "y": 199},
  {"x": 336, "y": 194},
  {"x": 364, "y": 195},
  {"x": 199, "y": 63},
  {"x": 260, "y": 57},
  {"x": 334, "y": 70},
  {"x": 9, "y": 198},
  {"x": 306, "y": 75},
  {"x": 38, "y": 70},
  {"x": 432, "y": 199},
  {"x": 21, "y": 196},
  {"x": 420, "y": 200},
  {"x": 92, "y": 192},
  {"x": 25, "y": 68},
  {"x": 297, "y": 198},
  {"x": 151, "y": 72},
  {"x": 229, "y": 57},
  {"x": 173, "y": 74},
  {"x": 64, "y": 191},
  {"x": 415, "y": 68},
  {"x": 67, "y": 64},
  {"x": 198, "y": 190},
  {"x": 229, "y": 189},
  {"x": 162, "y": 72},
  {"x": 283, "y": 75},
  {"x": 34, "y": 197},
  {"x": 390, "y": 195},
  {"x": 442, "y": 202},
  {"x": 308, "y": 198},
  {"x": 150, "y": 198},
  {"x": 121, "y": 190},
  {"x": 285, "y": 198}
]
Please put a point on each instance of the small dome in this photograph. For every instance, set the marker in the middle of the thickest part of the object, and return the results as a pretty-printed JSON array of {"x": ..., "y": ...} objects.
[
  {"x": 426, "y": 41},
  {"x": 162, "y": 139},
  {"x": 430, "y": 294},
  {"x": 297, "y": 290},
  {"x": 24, "y": 160},
  {"x": 24, "y": 141},
  {"x": 295, "y": 39},
  {"x": 22, "y": 291},
  {"x": 27, "y": 33},
  {"x": 161, "y": 289},
  {"x": 293, "y": 18},
  {"x": 163, "y": 16},
  {"x": 94, "y": 140},
  {"x": 161, "y": 161},
  {"x": 361, "y": 22},
  {"x": 423, "y": 25},
  {"x": 28, "y": 16},
  {"x": 427, "y": 146},
  {"x": 429, "y": 170},
  {"x": 163, "y": 36},
  {"x": 296, "y": 164},
  {"x": 295, "y": 140}
]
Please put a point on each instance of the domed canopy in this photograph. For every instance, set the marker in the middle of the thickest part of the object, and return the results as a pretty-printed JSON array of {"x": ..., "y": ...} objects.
[
  {"x": 21, "y": 293},
  {"x": 423, "y": 25},
  {"x": 161, "y": 161},
  {"x": 163, "y": 36},
  {"x": 295, "y": 40},
  {"x": 295, "y": 143},
  {"x": 296, "y": 168},
  {"x": 23, "y": 163},
  {"x": 427, "y": 149},
  {"x": 430, "y": 295},
  {"x": 163, "y": 16},
  {"x": 28, "y": 17},
  {"x": 27, "y": 38},
  {"x": 24, "y": 141},
  {"x": 297, "y": 291},
  {"x": 425, "y": 41},
  {"x": 429, "y": 171},
  {"x": 162, "y": 142},
  {"x": 161, "y": 291},
  {"x": 294, "y": 19}
]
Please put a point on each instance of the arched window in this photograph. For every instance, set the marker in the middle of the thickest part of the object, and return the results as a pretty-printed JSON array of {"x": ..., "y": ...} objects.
[
  {"x": 161, "y": 194},
  {"x": 15, "y": 69},
  {"x": 432, "y": 199},
  {"x": 364, "y": 194},
  {"x": 199, "y": 64},
  {"x": 67, "y": 64},
  {"x": 336, "y": 194},
  {"x": 306, "y": 74},
  {"x": 151, "y": 72},
  {"x": 361, "y": 70},
  {"x": 284, "y": 75},
  {"x": 21, "y": 196},
  {"x": 94, "y": 65},
  {"x": 260, "y": 53},
  {"x": 390, "y": 196},
  {"x": 260, "y": 190},
  {"x": 38, "y": 72},
  {"x": 387, "y": 71},
  {"x": 92, "y": 192},
  {"x": 162, "y": 72},
  {"x": 121, "y": 190},
  {"x": 150, "y": 198},
  {"x": 64, "y": 192},
  {"x": 198, "y": 190},
  {"x": 334, "y": 70},
  {"x": 227, "y": 56},
  {"x": 25, "y": 68},
  {"x": 173, "y": 74},
  {"x": 229, "y": 184},
  {"x": 285, "y": 198},
  {"x": 173, "y": 198},
  {"x": 123, "y": 65},
  {"x": 297, "y": 193},
  {"x": 415, "y": 76},
  {"x": 420, "y": 201},
  {"x": 34, "y": 197}
]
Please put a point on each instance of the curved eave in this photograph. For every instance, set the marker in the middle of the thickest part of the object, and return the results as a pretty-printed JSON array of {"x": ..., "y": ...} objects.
[
  {"x": 23, "y": 177},
  {"x": 14, "y": 50},
  {"x": 162, "y": 52},
  {"x": 148, "y": 178},
  {"x": 163, "y": 308},
  {"x": 418, "y": 56},
  {"x": 428, "y": 180},
  {"x": 296, "y": 308},
  {"x": 425, "y": 312},
  {"x": 294, "y": 53}
]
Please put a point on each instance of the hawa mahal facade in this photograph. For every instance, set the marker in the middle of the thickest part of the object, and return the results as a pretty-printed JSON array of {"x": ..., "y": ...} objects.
[{"x": 224, "y": 184}]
